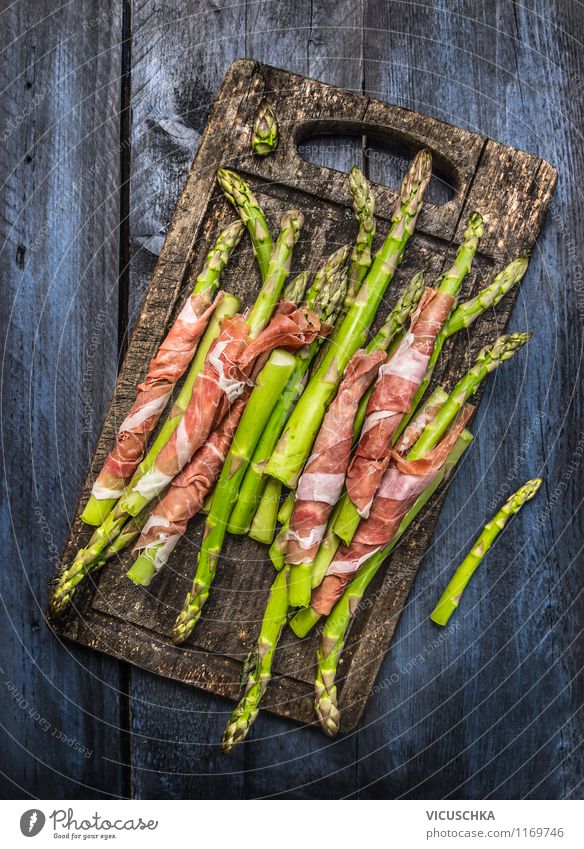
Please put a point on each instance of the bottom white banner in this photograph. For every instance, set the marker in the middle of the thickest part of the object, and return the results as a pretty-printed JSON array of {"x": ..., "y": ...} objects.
[{"x": 207, "y": 822}]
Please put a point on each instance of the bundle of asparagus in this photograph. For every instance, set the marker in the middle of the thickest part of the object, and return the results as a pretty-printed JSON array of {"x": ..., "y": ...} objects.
[{"x": 250, "y": 417}]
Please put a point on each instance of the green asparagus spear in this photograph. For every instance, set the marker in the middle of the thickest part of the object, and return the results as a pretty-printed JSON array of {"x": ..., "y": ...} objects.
[
  {"x": 241, "y": 196},
  {"x": 451, "y": 596},
  {"x": 263, "y": 524},
  {"x": 465, "y": 314},
  {"x": 294, "y": 446},
  {"x": 364, "y": 206},
  {"x": 487, "y": 361},
  {"x": 261, "y": 662},
  {"x": 264, "y": 137}
]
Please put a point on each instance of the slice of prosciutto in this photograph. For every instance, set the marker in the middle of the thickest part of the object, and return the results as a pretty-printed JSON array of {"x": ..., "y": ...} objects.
[
  {"x": 166, "y": 368},
  {"x": 403, "y": 482},
  {"x": 321, "y": 483},
  {"x": 398, "y": 381},
  {"x": 168, "y": 521},
  {"x": 231, "y": 363}
]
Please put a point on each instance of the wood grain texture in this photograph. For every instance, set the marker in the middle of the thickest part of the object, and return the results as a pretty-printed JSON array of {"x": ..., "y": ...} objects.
[
  {"x": 496, "y": 708},
  {"x": 59, "y": 229}
]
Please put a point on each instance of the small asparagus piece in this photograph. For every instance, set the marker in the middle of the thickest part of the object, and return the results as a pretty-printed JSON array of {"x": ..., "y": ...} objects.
[
  {"x": 364, "y": 206},
  {"x": 451, "y": 596},
  {"x": 241, "y": 196},
  {"x": 465, "y": 314},
  {"x": 487, "y": 361},
  {"x": 325, "y": 298},
  {"x": 259, "y": 675},
  {"x": 264, "y": 138},
  {"x": 206, "y": 283},
  {"x": 263, "y": 524},
  {"x": 339, "y": 619},
  {"x": 295, "y": 443}
]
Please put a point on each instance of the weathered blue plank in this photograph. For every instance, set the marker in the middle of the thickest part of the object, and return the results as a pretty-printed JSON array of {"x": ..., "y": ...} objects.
[
  {"x": 59, "y": 122},
  {"x": 492, "y": 710}
]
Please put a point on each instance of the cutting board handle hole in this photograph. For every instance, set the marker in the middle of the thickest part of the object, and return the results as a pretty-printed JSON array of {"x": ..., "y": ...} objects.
[{"x": 385, "y": 162}]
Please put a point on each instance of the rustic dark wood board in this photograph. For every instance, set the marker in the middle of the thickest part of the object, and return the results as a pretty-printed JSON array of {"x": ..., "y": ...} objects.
[{"x": 511, "y": 188}]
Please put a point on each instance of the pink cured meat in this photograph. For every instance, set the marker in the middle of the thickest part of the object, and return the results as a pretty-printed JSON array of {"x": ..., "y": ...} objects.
[
  {"x": 400, "y": 487},
  {"x": 223, "y": 380},
  {"x": 399, "y": 380},
  {"x": 167, "y": 367},
  {"x": 321, "y": 483},
  {"x": 185, "y": 497},
  {"x": 290, "y": 328}
]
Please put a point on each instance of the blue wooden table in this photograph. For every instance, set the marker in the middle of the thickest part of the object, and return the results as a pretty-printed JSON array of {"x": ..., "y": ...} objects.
[{"x": 102, "y": 108}]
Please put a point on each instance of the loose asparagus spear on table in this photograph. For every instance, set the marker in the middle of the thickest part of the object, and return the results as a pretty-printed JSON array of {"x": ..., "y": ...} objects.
[
  {"x": 294, "y": 446},
  {"x": 451, "y": 596}
]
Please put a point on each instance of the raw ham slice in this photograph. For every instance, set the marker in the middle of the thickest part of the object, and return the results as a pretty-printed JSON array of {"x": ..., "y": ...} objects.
[
  {"x": 169, "y": 364},
  {"x": 290, "y": 328},
  {"x": 223, "y": 380},
  {"x": 321, "y": 483},
  {"x": 398, "y": 381},
  {"x": 403, "y": 482},
  {"x": 185, "y": 497}
]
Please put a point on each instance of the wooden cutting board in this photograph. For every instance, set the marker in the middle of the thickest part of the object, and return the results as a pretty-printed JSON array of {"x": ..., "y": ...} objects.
[{"x": 510, "y": 188}]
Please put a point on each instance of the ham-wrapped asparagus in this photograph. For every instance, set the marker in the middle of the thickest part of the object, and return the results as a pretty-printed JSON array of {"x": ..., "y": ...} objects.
[
  {"x": 345, "y": 560},
  {"x": 401, "y": 485},
  {"x": 399, "y": 382},
  {"x": 166, "y": 368},
  {"x": 321, "y": 482},
  {"x": 392, "y": 396},
  {"x": 168, "y": 521},
  {"x": 228, "y": 367}
]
